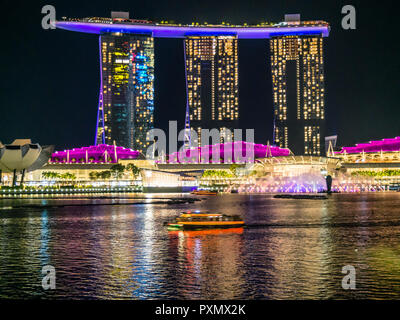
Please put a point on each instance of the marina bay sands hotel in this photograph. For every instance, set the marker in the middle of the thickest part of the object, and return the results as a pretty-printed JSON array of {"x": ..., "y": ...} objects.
[{"x": 126, "y": 99}]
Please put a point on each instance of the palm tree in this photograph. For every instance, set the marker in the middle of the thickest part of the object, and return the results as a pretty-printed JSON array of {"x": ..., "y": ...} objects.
[
  {"x": 69, "y": 176},
  {"x": 46, "y": 174},
  {"x": 104, "y": 174},
  {"x": 117, "y": 170},
  {"x": 134, "y": 169},
  {"x": 50, "y": 175},
  {"x": 93, "y": 175},
  {"x": 55, "y": 175},
  {"x": 234, "y": 169}
]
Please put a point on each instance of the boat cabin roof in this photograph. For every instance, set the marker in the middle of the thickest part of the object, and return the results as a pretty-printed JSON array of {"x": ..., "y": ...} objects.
[{"x": 188, "y": 214}]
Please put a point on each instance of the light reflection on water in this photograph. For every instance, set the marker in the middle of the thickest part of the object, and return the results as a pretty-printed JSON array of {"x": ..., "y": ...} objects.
[{"x": 124, "y": 251}]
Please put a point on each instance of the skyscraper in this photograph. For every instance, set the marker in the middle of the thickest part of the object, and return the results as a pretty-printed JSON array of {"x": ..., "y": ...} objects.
[
  {"x": 211, "y": 63},
  {"x": 212, "y": 82},
  {"x": 298, "y": 92},
  {"x": 126, "y": 101}
]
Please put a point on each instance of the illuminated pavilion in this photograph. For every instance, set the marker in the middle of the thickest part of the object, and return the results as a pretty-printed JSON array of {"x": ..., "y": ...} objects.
[{"x": 385, "y": 150}]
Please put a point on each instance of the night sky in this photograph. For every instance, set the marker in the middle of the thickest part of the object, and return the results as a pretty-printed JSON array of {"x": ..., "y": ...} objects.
[{"x": 49, "y": 80}]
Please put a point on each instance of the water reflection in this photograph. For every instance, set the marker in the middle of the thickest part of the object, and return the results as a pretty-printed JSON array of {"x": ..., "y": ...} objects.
[
  {"x": 44, "y": 238},
  {"x": 208, "y": 262}
]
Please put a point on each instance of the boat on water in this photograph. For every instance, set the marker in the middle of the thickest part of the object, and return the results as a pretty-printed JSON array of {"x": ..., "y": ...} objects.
[
  {"x": 204, "y": 193},
  {"x": 198, "y": 220}
]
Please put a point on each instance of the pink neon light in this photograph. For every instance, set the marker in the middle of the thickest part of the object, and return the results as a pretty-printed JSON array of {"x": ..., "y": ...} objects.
[
  {"x": 385, "y": 145},
  {"x": 234, "y": 151},
  {"x": 94, "y": 154}
]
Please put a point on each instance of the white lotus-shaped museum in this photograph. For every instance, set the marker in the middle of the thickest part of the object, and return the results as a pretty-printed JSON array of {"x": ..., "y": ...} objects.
[
  {"x": 19, "y": 155},
  {"x": 22, "y": 155}
]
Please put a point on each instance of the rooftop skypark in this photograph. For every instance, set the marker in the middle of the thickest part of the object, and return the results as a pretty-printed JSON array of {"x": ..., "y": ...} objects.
[{"x": 165, "y": 29}]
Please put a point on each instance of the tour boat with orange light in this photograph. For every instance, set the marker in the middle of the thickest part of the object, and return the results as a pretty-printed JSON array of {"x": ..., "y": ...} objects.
[
  {"x": 206, "y": 232},
  {"x": 197, "y": 220},
  {"x": 204, "y": 193}
]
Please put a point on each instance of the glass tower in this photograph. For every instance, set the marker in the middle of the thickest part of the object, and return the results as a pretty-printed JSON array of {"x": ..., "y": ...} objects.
[
  {"x": 212, "y": 82},
  {"x": 126, "y": 101},
  {"x": 298, "y": 93}
]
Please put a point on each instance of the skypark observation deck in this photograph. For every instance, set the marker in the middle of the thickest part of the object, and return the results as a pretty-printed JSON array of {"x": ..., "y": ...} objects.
[{"x": 182, "y": 31}]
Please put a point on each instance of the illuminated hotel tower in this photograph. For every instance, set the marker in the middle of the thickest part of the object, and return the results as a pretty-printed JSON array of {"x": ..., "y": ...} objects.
[
  {"x": 298, "y": 93},
  {"x": 126, "y": 101},
  {"x": 212, "y": 81}
]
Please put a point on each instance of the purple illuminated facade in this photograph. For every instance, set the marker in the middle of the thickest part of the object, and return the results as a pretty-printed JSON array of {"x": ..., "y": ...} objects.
[
  {"x": 176, "y": 31},
  {"x": 385, "y": 145},
  {"x": 101, "y": 153},
  {"x": 229, "y": 152}
]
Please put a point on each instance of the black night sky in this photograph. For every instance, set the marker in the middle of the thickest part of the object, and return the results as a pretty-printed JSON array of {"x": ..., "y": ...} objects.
[{"x": 49, "y": 80}]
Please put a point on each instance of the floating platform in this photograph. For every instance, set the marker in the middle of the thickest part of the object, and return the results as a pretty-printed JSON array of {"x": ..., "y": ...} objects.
[{"x": 301, "y": 196}]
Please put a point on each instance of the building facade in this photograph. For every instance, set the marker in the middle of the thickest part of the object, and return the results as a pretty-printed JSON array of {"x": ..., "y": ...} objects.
[
  {"x": 212, "y": 83},
  {"x": 297, "y": 67},
  {"x": 211, "y": 65},
  {"x": 126, "y": 102},
  {"x": 375, "y": 164}
]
